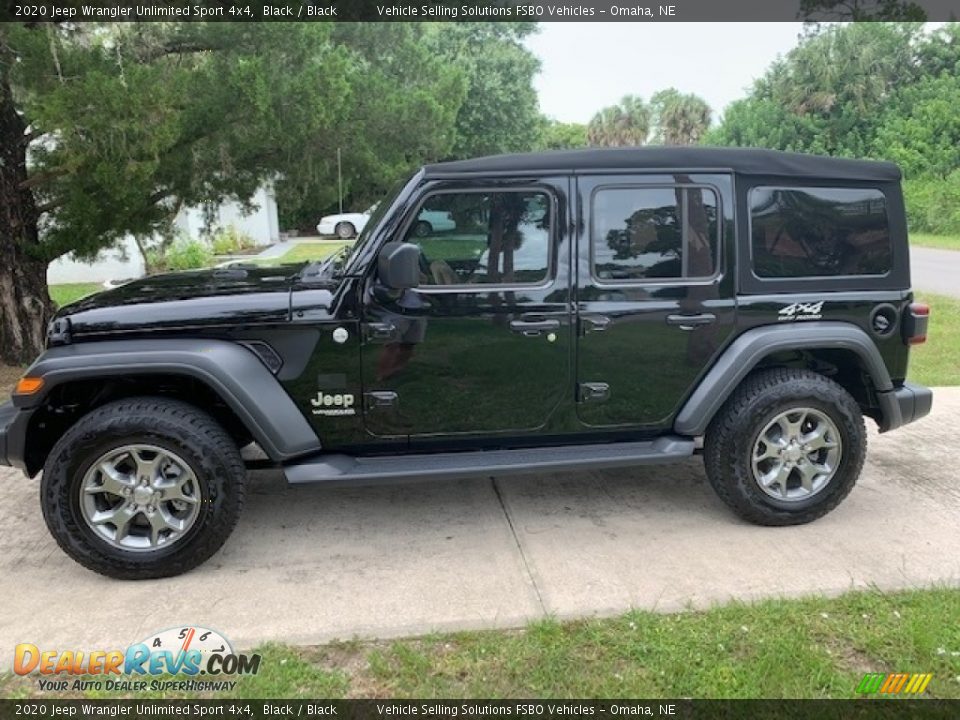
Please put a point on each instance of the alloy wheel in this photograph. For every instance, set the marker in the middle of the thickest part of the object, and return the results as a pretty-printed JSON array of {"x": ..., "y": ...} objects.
[
  {"x": 140, "y": 497},
  {"x": 796, "y": 454}
]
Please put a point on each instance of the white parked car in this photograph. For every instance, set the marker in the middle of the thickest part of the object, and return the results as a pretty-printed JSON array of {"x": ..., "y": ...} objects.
[
  {"x": 344, "y": 225},
  {"x": 348, "y": 225}
]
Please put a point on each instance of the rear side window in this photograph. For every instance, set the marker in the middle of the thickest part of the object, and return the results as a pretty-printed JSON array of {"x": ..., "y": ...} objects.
[
  {"x": 819, "y": 232},
  {"x": 654, "y": 233}
]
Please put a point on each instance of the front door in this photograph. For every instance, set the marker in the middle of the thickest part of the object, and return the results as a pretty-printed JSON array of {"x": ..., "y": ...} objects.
[
  {"x": 655, "y": 293},
  {"x": 483, "y": 346}
]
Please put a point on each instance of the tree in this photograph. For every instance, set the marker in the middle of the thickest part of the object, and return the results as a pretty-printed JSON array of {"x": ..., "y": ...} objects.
[
  {"x": 627, "y": 123},
  {"x": 401, "y": 112},
  {"x": 825, "y": 95},
  {"x": 500, "y": 112},
  {"x": 861, "y": 10},
  {"x": 921, "y": 131},
  {"x": 489, "y": 106},
  {"x": 556, "y": 135},
  {"x": 678, "y": 118},
  {"x": 24, "y": 301},
  {"x": 108, "y": 129}
]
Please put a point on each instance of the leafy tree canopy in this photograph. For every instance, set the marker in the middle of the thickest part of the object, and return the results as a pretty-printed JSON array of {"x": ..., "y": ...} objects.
[
  {"x": 556, "y": 135},
  {"x": 135, "y": 120},
  {"x": 881, "y": 90},
  {"x": 500, "y": 111}
]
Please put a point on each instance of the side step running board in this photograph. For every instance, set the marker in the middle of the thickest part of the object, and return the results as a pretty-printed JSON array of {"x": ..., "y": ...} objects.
[{"x": 437, "y": 466}]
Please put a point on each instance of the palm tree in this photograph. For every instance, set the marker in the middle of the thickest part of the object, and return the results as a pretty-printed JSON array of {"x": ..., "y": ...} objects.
[
  {"x": 627, "y": 123},
  {"x": 680, "y": 119}
]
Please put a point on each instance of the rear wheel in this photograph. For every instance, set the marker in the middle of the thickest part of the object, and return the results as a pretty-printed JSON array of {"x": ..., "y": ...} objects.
[
  {"x": 143, "y": 488},
  {"x": 345, "y": 230},
  {"x": 786, "y": 448}
]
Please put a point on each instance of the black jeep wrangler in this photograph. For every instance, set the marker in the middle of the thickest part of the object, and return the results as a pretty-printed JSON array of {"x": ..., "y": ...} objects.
[{"x": 521, "y": 313}]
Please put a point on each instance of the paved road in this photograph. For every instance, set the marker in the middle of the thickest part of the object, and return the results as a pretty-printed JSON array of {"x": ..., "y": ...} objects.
[
  {"x": 935, "y": 270},
  {"x": 307, "y": 565}
]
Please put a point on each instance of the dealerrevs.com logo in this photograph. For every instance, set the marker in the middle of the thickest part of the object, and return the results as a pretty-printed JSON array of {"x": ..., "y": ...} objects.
[{"x": 186, "y": 658}]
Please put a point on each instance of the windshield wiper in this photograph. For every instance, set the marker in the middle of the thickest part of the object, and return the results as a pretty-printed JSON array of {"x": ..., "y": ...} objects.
[{"x": 318, "y": 269}]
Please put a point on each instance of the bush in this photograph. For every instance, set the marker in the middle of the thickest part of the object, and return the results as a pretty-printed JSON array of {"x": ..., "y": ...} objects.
[
  {"x": 187, "y": 255},
  {"x": 229, "y": 240},
  {"x": 933, "y": 204}
]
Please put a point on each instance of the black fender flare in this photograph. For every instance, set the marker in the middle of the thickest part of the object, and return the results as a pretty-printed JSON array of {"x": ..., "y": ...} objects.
[
  {"x": 232, "y": 371},
  {"x": 743, "y": 354}
]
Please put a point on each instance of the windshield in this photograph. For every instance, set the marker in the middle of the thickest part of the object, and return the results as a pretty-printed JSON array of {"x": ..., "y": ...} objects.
[{"x": 377, "y": 212}]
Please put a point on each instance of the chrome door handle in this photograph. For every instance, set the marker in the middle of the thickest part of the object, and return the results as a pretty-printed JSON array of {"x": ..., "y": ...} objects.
[
  {"x": 532, "y": 328},
  {"x": 689, "y": 322},
  {"x": 593, "y": 323}
]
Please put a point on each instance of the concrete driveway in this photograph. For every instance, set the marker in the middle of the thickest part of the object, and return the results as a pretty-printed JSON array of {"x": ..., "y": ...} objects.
[
  {"x": 310, "y": 564},
  {"x": 935, "y": 270}
]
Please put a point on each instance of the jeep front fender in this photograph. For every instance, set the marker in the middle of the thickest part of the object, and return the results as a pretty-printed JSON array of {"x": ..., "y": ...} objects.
[{"x": 232, "y": 371}]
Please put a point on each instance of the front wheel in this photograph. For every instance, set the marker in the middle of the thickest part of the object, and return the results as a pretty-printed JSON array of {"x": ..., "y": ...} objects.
[
  {"x": 143, "y": 488},
  {"x": 786, "y": 448}
]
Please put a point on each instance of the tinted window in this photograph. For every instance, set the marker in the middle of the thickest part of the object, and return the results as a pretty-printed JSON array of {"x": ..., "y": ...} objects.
[
  {"x": 654, "y": 233},
  {"x": 477, "y": 237},
  {"x": 817, "y": 232}
]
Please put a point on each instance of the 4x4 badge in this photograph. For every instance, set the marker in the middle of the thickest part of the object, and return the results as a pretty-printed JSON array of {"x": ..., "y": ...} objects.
[{"x": 801, "y": 311}]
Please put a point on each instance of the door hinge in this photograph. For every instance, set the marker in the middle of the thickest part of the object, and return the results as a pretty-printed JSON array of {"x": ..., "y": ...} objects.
[{"x": 593, "y": 392}]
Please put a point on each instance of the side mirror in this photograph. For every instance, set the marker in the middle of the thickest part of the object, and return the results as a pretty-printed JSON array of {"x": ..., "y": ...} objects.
[{"x": 398, "y": 265}]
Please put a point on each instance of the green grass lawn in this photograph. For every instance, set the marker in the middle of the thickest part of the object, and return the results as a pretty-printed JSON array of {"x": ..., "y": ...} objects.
[
  {"x": 71, "y": 292},
  {"x": 944, "y": 242},
  {"x": 808, "y": 648},
  {"x": 303, "y": 252},
  {"x": 937, "y": 361}
]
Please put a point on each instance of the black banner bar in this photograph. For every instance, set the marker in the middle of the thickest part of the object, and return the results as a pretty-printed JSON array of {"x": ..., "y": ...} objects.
[
  {"x": 865, "y": 709},
  {"x": 471, "y": 10}
]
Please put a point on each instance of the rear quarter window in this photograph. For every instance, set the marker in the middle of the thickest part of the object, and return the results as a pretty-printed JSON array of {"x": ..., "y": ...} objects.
[{"x": 799, "y": 232}]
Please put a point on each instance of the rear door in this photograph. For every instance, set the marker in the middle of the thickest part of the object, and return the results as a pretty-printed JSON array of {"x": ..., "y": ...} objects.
[{"x": 655, "y": 293}]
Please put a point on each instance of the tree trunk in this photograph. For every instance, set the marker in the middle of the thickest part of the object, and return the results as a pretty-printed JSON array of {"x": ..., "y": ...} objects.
[{"x": 25, "y": 305}]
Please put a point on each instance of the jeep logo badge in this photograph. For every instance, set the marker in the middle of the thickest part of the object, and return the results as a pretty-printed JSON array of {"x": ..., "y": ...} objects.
[{"x": 338, "y": 404}]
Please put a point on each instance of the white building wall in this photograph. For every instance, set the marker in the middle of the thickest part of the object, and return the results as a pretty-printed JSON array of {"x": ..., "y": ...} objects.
[
  {"x": 125, "y": 262},
  {"x": 122, "y": 263},
  {"x": 261, "y": 223}
]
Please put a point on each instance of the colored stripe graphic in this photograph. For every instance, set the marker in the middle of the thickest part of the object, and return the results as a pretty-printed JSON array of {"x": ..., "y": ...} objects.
[{"x": 894, "y": 683}]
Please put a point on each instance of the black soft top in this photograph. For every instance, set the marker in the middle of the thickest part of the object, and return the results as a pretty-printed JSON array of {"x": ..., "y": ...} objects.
[{"x": 743, "y": 161}]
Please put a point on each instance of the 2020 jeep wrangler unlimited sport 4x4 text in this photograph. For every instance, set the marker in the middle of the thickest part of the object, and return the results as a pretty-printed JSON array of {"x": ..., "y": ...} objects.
[{"x": 582, "y": 309}]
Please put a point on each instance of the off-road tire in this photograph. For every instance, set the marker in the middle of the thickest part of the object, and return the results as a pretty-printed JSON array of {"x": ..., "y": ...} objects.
[
  {"x": 733, "y": 431},
  {"x": 176, "y": 426}
]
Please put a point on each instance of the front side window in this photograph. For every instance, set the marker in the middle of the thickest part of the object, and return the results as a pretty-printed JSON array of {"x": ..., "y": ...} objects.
[
  {"x": 819, "y": 232},
  {"x": 492, "y": 238},
  {"x": 654, "y": 233}
]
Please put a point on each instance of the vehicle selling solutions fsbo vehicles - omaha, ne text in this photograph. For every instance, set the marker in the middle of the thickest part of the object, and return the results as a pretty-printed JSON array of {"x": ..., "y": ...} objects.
[{"x": 579, "y": 309}]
